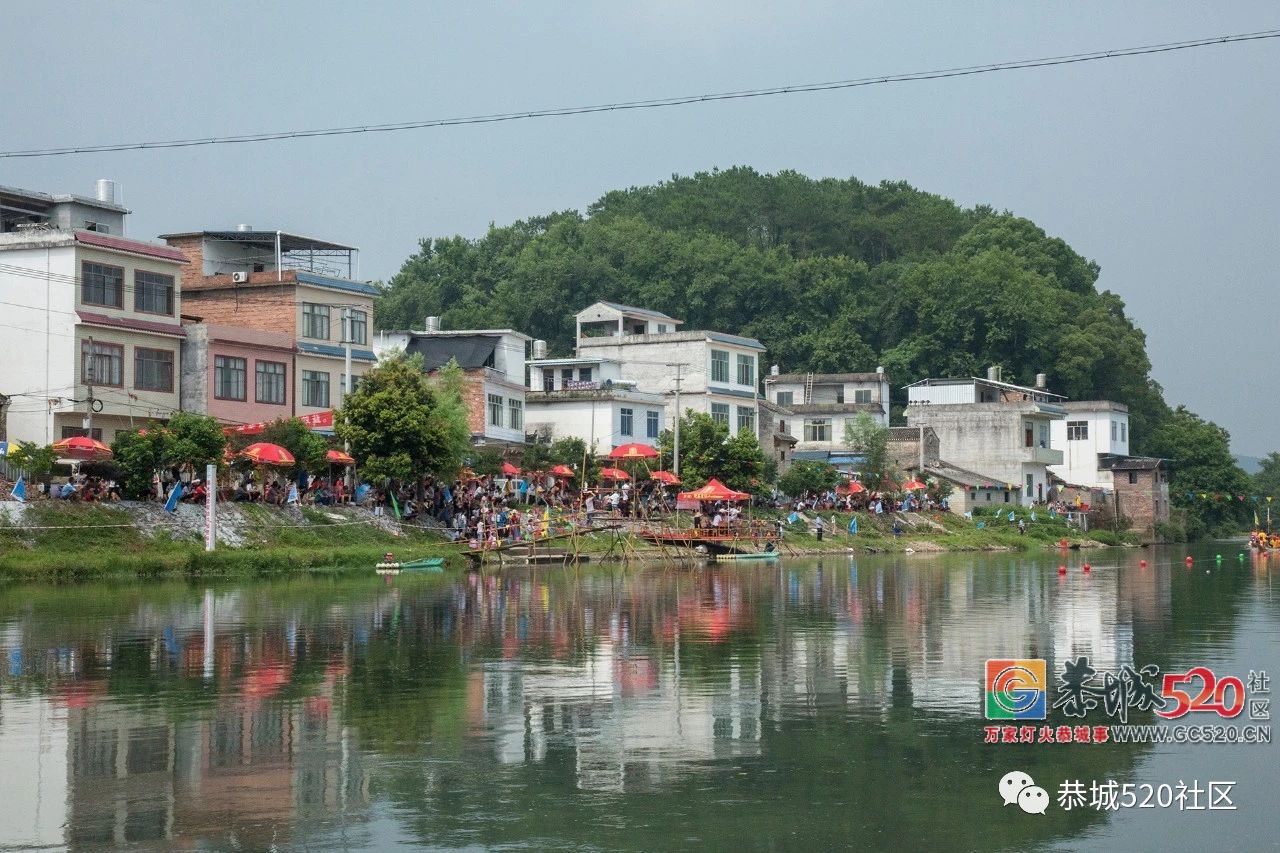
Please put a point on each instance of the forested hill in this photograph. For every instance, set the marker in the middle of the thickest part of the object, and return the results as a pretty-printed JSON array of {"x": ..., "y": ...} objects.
[{"x": 831, "y": 275}]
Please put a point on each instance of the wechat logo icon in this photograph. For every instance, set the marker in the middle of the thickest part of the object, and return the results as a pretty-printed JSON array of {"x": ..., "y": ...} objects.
[{"x": 1017, "y": 787}]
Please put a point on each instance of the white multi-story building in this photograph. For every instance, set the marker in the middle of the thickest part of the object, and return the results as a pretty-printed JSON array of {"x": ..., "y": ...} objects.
[
  {"x": 714, "y": 372},
  {"x": 587, "y": 398},
  {"x": 1092, "y": 428},
  {"x": 86, "y": 309},
  {"x": 493, "y": 366},
  {"x": 995, "y": 429},
  {"x": 821, "y": 404}
]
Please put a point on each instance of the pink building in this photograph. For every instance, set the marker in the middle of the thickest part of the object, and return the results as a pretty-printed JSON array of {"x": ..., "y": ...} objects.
[{"x": 238, "y": 375}]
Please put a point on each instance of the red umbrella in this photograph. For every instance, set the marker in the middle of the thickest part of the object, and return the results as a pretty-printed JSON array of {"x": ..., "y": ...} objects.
[
  {"x": 714, "y": 490},
  {"x": 665, "y": 477},
  {"x": 82, "y": 447},
  {"x": 614, "y": 474},
  {"x": 633, "y": 451},
  {"x": 562, "y": 471},
  {"x": 338, "y": 457},
  {"x": 266, "y": 453},
  {"x": 851, "y": 488},
  {"x": 509, "y": 470},
  {"x": 913, "y": 485}
]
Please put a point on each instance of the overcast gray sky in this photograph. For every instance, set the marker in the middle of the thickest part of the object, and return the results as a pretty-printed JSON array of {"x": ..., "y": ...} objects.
[{"x": 1161, "y": 168}]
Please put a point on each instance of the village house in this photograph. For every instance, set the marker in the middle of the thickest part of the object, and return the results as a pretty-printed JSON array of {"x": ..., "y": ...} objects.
[
  {"x": 1094, "y": 440},
  {"x": 587, "y": 398},
  {"x": 822, "y": 404},
  {"x": 493, "y": 367},
  {"x": 712, "y": 372},
  {"x": 991, "y": 432},
  {"x": 282, "y": 283},
  {"x": 97, "y": 315}
]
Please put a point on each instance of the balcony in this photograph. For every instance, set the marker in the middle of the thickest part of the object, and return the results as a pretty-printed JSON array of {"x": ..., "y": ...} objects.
[{"x": 1044, "y": 455}]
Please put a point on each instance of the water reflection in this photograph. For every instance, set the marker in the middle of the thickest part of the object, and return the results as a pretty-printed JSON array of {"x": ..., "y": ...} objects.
[{"x": 639, "y": 709}]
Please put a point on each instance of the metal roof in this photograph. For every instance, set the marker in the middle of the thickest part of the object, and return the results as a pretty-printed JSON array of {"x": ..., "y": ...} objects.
[
  {"x": 828, "y": 378},
  {"x": 470, "y": 351},
  {"x": 61, "y": 198},
  {"x": 995, "y": 382},
  {"x": 631, "y": 309},
  {"x": 267, "y": 239}
]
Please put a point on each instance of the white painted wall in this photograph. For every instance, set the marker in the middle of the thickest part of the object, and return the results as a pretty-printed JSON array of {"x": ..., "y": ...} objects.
[
  {"x": 573, "y": 418},
  {"x": 506, "y": 391},
  {"x": 39, "y": 335},
  {"x": 1080, "y": 456}
]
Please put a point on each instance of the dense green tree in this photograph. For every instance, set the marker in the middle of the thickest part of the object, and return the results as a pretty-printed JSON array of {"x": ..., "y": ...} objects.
[
  {"x": 708, "y": 450},
  {"x": 189, "y": 439},
  {"x": 1205, "y": 481},
  {"x": 870, "y": 440},
  {"x": 139, "y": 454},
  {"x": 401, "y": 426},
  {"x": 807, "y": 475},
  {"x": 1266, "y": 481}
]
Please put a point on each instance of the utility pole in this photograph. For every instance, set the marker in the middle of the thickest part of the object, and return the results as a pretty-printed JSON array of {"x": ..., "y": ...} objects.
[
  {"x": 90, "y": 363},
  {"x": 675, "y": 431},
  {"x": 346, "y": 346}
]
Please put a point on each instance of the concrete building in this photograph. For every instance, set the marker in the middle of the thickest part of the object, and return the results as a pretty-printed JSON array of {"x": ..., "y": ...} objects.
[
  {"x": 776, "y": 439},
  {"x": 287, "y": 284},
  {"x": 823, "y": 403},
  {"x": 1139, "y": 489},
  {"x": 716, "y": 373},
  {"x": 995, "y": 430},
  {"x": 493, "y": 366},
  {"x": 1091, "y": 429},
  {"x": 238, "y": 375},
  {"x": 83, "y": 303},
  {"x": 587, "y": 398}
]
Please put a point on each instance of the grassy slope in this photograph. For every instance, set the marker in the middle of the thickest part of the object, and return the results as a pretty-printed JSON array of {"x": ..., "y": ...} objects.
[{"x": 91, "y": 550}]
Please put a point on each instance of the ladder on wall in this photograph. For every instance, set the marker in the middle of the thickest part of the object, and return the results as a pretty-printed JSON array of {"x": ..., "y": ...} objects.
[{"x": 808, "y": 388}]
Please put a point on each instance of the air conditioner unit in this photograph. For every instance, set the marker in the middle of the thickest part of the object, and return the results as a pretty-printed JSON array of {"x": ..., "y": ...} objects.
[{"x": 239, "y": 277}]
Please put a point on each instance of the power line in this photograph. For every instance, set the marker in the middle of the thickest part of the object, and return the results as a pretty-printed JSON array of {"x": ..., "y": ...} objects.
[{"x": 657, "y": 103}]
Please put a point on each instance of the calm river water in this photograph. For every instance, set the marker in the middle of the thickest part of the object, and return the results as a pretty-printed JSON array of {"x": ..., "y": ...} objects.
[{"x": 833, "y": 704}]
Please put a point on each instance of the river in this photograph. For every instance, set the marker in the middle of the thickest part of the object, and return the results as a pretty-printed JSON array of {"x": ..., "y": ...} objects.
[{"x": 819, "y": 704}]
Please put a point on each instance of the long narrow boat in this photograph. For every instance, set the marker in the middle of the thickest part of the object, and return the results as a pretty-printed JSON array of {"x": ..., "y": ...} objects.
[
  {"x": 755, "y": 555},
  {"x": 425, "y": 564}
]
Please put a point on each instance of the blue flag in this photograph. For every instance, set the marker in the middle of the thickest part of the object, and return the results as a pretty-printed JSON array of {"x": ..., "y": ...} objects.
[
  {"x": 293, "y": 494},
  {"x": 172, "y": 504},
  {"x": 853, "y": 524},
  {"x": 20, "y": 489}
]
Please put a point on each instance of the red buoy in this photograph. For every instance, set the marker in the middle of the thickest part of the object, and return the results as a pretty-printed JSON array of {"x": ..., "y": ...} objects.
[
  {"x": 1189, "y": 560},
  {"x": 1087, "y": 567},
  {"x": 1062, "y": 570},
  {"x": 1142, "y": 564}
]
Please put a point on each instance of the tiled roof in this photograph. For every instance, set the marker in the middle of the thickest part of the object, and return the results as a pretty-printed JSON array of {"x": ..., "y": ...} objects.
[
  {"x": 131, "y": 324},
  {"x": 133, "y": 247}
]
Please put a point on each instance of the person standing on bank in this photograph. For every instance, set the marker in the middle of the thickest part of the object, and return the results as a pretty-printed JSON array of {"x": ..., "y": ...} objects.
[{"x": 818, "y": 526}]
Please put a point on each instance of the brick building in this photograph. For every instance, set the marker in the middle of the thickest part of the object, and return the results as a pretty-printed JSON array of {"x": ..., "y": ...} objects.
[
  {"x": 289, "y": 286},
  {"x": 1140, "y": 489}
]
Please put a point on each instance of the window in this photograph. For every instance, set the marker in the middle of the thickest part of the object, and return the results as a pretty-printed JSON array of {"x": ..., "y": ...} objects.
[
  {"x": 1031, "y": 485},
  {"x": 100, "y": 227},
  {"x": 1029, "y": 437},
  {"x": 662, "y": 328},
  {"x": 342, "y": 383},
  {"x": 651, "y": 423},
  {"x": 1044, "y": 435},
  {"x": 315, "y": 321},
  {"x": 548, "y": 379},
  {"x": 315, "y": 388},
  {"x": 566, "y": 374},
  {"x": 626, "y": 421},
  {"x": 584, "y": 374},
  {"x": 1006, "y": 496},
  {"x": 1124, "y": 431},
  {"x": 785, "y": 398},
  {"x": 102, "y": 285},
  {"x": 105, "y": 366},
  {"x": 270, "y": 384},
  {"x": 817, "y": 429},
  {"x": 746, "y": 370},
  {"x": 720, "y": 413},
  {"x": 862, "y": 395},
  {"x": 746, "y": 419},
  {"x": 228, "y": 377},
  {"x": 152, "y": 292},
  {"x": 152, "y": 369},
  {"x": 72, "y": 432},
  {"x": 515, "y": 413},
  {"x": 719, "y": 366},
  {"x": 1133, "y": 478},
  {"x": 839, "y": 394},
  {"x": 358, "y": 327},
  {"x": 1115, "y": 430},
  {"x": 1077, "y": 430},
  {"x": 495, "y": 410}
]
